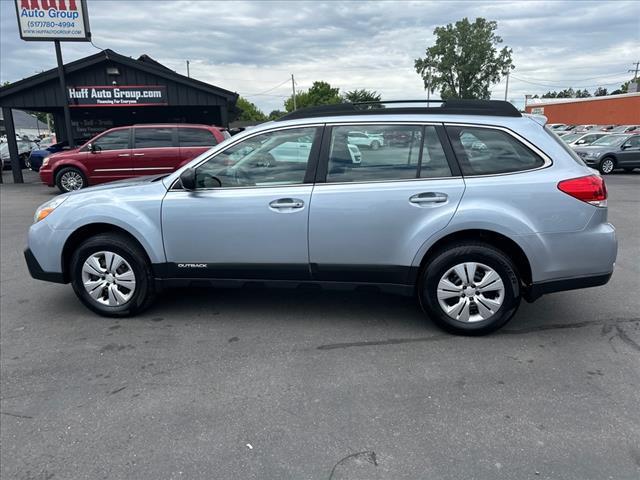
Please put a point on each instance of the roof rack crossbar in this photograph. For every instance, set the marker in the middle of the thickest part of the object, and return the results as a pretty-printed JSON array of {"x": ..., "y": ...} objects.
[{"x": 455, "y": 107}]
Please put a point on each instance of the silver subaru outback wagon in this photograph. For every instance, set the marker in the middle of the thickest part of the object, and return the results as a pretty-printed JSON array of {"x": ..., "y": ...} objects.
[{"x": 470, "y": 206}]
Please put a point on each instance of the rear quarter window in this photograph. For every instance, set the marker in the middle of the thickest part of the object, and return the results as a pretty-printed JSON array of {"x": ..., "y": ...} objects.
[
  {"x": 489, "y": 151},
  {"x": 196, "y": 137},
  {"x": 564, "y": 146}
]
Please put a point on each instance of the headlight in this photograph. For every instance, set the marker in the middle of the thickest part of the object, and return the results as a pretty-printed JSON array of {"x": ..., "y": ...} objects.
[
  {"x": 45, "y": 162},
  {"x": 592, "y": 155},
  {"x": 45, "y": 209}
]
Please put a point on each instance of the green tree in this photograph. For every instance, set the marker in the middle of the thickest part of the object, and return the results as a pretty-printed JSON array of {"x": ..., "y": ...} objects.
[
  {"x": 250, "y": 112},
  {"x": 320, "y": 93},
  {"x": 465, "y": 61},
  {"x": 361, "y": 95},
  {"x": 582, "y": 93},
  {"x": 624, "y": 88},
  {"x": 276, "y": 114},
  {"x": 600, "y": 92}
]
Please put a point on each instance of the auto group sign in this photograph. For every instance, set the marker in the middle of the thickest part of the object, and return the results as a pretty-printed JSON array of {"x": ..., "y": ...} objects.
[
  {"x": 117, "y": 96},
  {"x": 66, "y": 20}
]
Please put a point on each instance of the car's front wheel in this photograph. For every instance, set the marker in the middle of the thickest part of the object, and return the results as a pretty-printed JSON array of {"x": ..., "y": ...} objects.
[
  {"x": 111, "y": 275},
  {"x": 69, "y": 179},
  {"x": 470, "y": 289},
  {"x": 375, "y": 145},
  {"x": 606, "y": 166}
]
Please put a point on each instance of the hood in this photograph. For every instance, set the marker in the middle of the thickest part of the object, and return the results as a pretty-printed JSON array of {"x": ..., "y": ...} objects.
[
  {"x": 129, "y": 182},
  {"x": 594, "y": 148}
]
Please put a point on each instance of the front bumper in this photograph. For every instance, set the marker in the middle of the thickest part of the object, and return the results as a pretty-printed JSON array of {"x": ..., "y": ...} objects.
[
  {"x": 46, "y": 176},
  {"x": 37, "y": 272}
]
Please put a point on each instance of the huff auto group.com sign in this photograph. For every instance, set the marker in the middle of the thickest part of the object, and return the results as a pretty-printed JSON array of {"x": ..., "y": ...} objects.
[
  {"x": 117, "y": 96},
  {"x": 66, "y": 20}
]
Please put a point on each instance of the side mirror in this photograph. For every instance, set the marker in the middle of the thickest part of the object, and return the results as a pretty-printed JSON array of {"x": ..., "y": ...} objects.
[
  {"x": 93, "y": 148},
  {"x": 581, "y": 142},
  {"x": 188, "y": 179},
  {"x": 625, "y": 146}
]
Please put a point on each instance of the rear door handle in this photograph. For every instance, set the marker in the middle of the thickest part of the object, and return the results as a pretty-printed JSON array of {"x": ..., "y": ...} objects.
[
  {"x": 428, "y": 197},
  {"x": 123, "y": 154},
  {"x": 286, "y": 203},
  {"x": 138, "y": 154}
]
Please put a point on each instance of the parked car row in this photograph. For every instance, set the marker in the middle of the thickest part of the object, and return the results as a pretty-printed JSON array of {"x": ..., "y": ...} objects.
[{"x": 564, "y": 129}]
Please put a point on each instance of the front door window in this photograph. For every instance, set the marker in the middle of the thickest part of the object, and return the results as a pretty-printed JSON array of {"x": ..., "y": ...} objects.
[{"x": 273, "y": 158}]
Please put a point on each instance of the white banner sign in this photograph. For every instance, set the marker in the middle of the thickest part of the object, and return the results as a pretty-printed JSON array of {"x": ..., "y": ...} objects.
[{"x": 66, "y": 20}]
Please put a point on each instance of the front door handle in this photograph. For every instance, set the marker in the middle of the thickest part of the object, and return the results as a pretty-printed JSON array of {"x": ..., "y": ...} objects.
[
  {"x": 123, "y": 154},
  {"x": 286, "y": 203},
  {"x": 138, "y": 154},
  {"x": 428, "y": 197}
]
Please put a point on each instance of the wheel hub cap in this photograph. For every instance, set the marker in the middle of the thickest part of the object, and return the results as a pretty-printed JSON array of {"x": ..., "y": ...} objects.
[
  {"x": 470, "y": 292},
  {"x": 108, "y": 279}
]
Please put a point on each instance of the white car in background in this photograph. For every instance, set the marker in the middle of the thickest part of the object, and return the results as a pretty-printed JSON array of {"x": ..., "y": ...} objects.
[
  {"x": 582, "y": 139},
  {"x": 363, "y": 139},
  {"x": 299, "y": 152}
]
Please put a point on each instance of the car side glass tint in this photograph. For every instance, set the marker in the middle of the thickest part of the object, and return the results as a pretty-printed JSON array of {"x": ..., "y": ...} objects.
[
  {"x": 369, "y": 153},
  {"x": 487, "y": 151},
  {"x": 434, "y": 161},
  {"x": 116, "y": 140},
  {"x": 273, "y": 158},
  {"x": 196, "y": 137},
  {"x": 150, "y": 137}
]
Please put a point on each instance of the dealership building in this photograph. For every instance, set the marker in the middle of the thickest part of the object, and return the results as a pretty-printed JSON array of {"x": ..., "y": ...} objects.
[
  {"x": 108, "y": 90},
  {"x": 623, "y": 109}
]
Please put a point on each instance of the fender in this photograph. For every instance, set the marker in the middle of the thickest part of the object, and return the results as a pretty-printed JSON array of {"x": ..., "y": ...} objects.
[{"x": 141, "y": 219}]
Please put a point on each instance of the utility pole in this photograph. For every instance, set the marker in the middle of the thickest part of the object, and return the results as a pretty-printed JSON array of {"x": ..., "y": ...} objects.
[
  {"x": 635, "y": 71},
  {"x": 188, "y": 75},
  {"x": 506, "y": 89},
  {"x": 428, "y": 83},
  {"x": 293, "y": 89}
]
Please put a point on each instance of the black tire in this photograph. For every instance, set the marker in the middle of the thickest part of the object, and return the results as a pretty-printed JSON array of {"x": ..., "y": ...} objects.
[
  {"x": 375, "y": 145},
  {"x": 459, "y": 253},
  {"x": 144, "y": 292},
  {"x": 603, "y": 166},
  {"x": 23, "y": 160},
  {"x": 70, "y": 171}
]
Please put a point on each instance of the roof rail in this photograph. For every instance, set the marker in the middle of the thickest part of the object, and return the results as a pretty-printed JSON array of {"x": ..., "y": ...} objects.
[{"x": 498, "y": 108}]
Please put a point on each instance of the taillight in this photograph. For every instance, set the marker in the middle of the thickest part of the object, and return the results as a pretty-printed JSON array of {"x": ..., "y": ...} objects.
[{"x": 589, "y": 189}]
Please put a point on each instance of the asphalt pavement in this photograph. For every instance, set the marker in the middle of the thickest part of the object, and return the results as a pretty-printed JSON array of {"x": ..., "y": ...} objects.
[{"x": 305, "y": 384}]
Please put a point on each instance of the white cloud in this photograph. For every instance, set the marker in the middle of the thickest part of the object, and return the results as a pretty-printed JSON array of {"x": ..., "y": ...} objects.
[{"x": 250, "y": 47}]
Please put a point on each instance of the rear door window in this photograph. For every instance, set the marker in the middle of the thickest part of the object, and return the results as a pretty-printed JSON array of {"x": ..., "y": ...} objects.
[
  {"x": 400, "y": 154},
  {"x": 488, "y": 151},
  {"x": 153, "y": 137},
  {"x": 196, "y": 137}
]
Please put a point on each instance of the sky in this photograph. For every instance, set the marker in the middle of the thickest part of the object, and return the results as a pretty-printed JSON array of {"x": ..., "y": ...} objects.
[{"x": 253, "y": 47}]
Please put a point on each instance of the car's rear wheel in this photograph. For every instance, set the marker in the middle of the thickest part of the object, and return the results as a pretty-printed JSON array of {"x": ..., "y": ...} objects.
[
  {"x": 112, "y": 276},
  {"x": 606, "y": 166},
  {"x": 69, "y": 179},
  {"x": 375, "y": 145},
  {"x": 470, "y": 289}
]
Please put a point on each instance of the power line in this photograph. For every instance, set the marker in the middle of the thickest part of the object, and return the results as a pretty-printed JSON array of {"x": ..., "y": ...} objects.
[
  {"x": 268, "y": 90},
  {"x": 546, "y": 85}
]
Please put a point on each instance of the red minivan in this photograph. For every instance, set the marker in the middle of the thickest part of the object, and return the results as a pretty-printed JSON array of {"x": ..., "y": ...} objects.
[{"x": 125, "y": 152}]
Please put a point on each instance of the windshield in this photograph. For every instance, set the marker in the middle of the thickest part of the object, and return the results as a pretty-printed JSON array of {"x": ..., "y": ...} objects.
[
  {"x": 4, "y": 147},
  {"x": 610, "y": 140},
  {"x": 571, "y": 137}
]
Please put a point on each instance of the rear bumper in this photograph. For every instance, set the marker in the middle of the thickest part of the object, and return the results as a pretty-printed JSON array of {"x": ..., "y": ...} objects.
[
  {"x": 542, "y": 288},
  {"x": 37, "y": 272}
]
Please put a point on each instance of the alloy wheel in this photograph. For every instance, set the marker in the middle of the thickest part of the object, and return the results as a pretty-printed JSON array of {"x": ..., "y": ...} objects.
[
  {"x": 470, "y": 292},
  {"x": 108, "y": 279},
  {"x": 607, "y": 165},
  {"x": 71, "y": 181}
]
